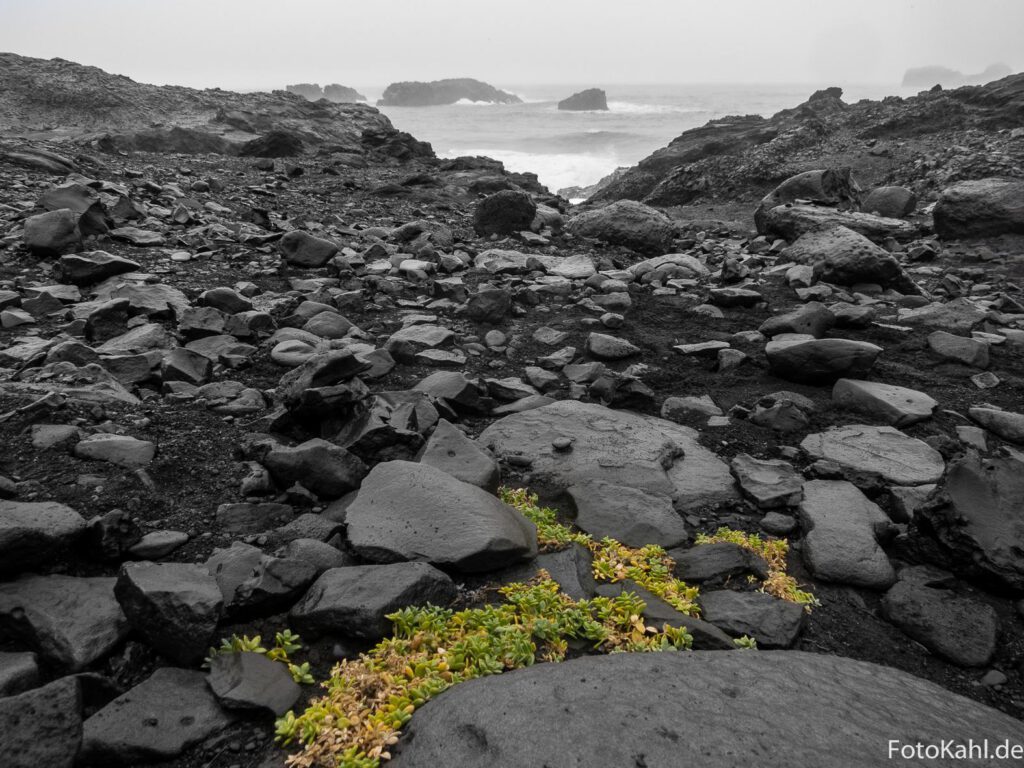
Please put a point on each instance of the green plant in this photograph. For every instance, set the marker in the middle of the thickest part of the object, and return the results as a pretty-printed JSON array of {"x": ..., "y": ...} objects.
[
  {"x": 286, "y": 643},
  {"x": 745, "y": 643}
]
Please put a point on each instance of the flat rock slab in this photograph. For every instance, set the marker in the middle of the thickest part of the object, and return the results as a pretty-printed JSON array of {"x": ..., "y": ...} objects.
[
  {"x": 122, "y": 450},
  {"x": 355, "y": 601},
  {"x": 897, "y": 406},
  {"x": 42, "y": 728},
  {"x": 716, "y": 562},
  {"x": 252, "y": 681},
  {"x": 957, "y": 628},
  {"x": 774, "y": 623},
  {"x": 706, "y": 708},
  {"x": 819, "y": 361},
  {"x": 156, "y": 720},
  {"x": 886, "y": 451},
  {"x": 1005, "y": 424},
  {"x": 33, "y": 531},
  {"x": 618, "y": 447},
  {"x": 769, "y": 483},
  {"x": 70, "y": 621},
  {"x": 629, "y": 515},
  {"x": 410, "y": 511},
  {"x": 840, "y": 535},
  {"x": 451, "y": 451}
]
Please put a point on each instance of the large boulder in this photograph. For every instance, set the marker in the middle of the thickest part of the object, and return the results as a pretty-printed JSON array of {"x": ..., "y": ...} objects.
[
  {"x": 32, "y": 532},
  {"x": 891, "y": 202},
  {"x": 981, "y": 208},
  {"x": 326, "y": 469},
  {"x": 706, "y": 708},
  {"x": 884, "y": 451},
  {"x": 807, "y": 360},
  {"x": 975, "y": 520},
  {"x": 772, "y": 622},
  {"x": 840, "y": 255},
  {"x": 829, "y": 186},
  {"x": 305, "y": 250},
  {"x": 617, "y": 448},
  {"x": 589, "y": 100},
  {"x": 628, "y": 223},
  {"x": 51, "y": 233},
  {"x": 42, "y": 727},
  {"x": 792, "y": 221},
  {"x": 897, "y": 406},
  {"x": 410, "y": 511},
  {"x": 503, "y": 213}
]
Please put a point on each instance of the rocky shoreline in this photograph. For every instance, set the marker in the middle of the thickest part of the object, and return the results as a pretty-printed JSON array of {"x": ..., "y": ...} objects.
[{"x": 245, "y": 395}]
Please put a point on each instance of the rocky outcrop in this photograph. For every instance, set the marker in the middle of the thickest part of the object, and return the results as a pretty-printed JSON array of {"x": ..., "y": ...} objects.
[
  {"x": 439, "y": 92},
  {"x": 929, "y": 76},
  {"x": 590, "y": 100},
  {"x": 339, "y": 94}
]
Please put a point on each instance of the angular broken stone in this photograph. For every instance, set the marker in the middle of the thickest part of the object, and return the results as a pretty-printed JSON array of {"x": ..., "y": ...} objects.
[
  {"x": 629, "y": 515},
  {"x": 895, "y": 405},
  {"x": 883, "y": 450},
  {"x": 252, "y": 681},
  {"x": 464, "y": 459},
  {"x": 772, "y": 622},
  {"x": 769, "y": 483},
  {"x": 817, "y": 361},
  {"x": 33, "y": 532}
]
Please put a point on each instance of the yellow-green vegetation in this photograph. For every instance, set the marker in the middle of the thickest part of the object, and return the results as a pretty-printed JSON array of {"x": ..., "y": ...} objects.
[
  {"x": 779, "y": 583},
  {"x": 285, "y": 644},
  {"x": 370, "y": 698}
]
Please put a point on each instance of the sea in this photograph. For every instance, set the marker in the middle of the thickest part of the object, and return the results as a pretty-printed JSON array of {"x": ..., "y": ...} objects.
[{"x": 577, "y": 149}]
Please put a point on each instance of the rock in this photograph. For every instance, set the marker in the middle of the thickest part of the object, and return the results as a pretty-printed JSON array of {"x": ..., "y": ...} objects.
[
  {"x": 717, "y": 562},
  {"x": 69, "y": 621},
  {"x": 627, "y": 223},
  {"x": 890, "y": 202},
  {"x": 489, "y": 305},
  {"x": 122, "y": 450},
  {"x": 451, "y": 451},
  {"x": 253, "y": 583},
  {"x": 138, "y": 237},
  {"x": 251, "y": 681},
  {"x": 678, "y": 408},
  {"x": 92, "y": 267},
  {"x": 769, "y": 483},
  {"x": 457, "y": 391},
  {"x": 794, "y": 221},
  {"x": 589, "y": 100},
  {"x": 504, "y": 213},
  {"x": 174, "y": 606},
  {"x": 408, "y": 511},
  {"x": 18, "y": 672},
  {"x": 571, "y": 568},
  {"x": 772, "y": 622},
  {"x": 813, "y": 318},
  {"x": 975, "y": 520},
  {"x": 34, "y": 532},
  {"x": 326, "y": 469},
  {"x": 1007, "y": 425},
  {"x": 683, "y": 697},
  {"x": 959, "y": 629},
  {"x": 186, "y": 365},
  {"x": 252, "y": 518},
  {"x": 304, "y": 250},
  {"x": 156, "y": 720},
  {"x": 322, "y": 385},
  {"x": 885, "y": 451},
  {"x": 605, "y": 347},
  {"x": 960, "y": 348},
  {"x": 321, "y": 555},
  {"x": 840, "y": 255},
  {"x": 355, "y": 601},
  {"x": 650, "y": 454},
  {"x": 629, "y": 515},
  {"x": 828, "y": 186},
  {"x": 980, "y": 208},
  {"x": 578, "y": 267},
  {"x": 894, "y": 405},
  {"x": 959, "y": 315},
  {"x": 447, "y": 91},
  {"x": 224, "y": 299},
  {"x": 406, "y": 343},
  {"x": 818, "y": 361},
  {"x": 51, "y": 233},
  {"x": 841, "y": 531},
  {"x": 42, "y": 727}
]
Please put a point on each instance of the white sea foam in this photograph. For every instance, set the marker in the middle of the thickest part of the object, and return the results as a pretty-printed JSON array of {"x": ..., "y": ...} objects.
[
  {"x": 471, "y": 103},
  {"x": 555, "y": 171},
  {"x": 652, "y": 109}
]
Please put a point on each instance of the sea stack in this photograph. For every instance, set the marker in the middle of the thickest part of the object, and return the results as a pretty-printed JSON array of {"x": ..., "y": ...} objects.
[{"x": 590, "y": 100}]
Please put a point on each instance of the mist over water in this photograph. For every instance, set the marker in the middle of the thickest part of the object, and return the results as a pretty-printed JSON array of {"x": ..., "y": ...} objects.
[{"x": 579, "y": 148}]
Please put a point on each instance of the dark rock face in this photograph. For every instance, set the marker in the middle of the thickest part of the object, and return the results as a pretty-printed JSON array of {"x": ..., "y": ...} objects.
[
  {"x": 252, "y": 681},
  {"x": 340, "y": 94},
  {"x": 682, "y": 697},
  {"x": 438, "y": 92},
  {"x": 774, "y": 623},
  {"x": 828, "y": 186},
  {"x": 592, "y": 99},
  {"x": 627, "y": 223},
  {"x": 274, "y": 144},
  {"x": 981, "y": 208},
  {"x": 30, "y": 532},
  {"x": 503, "y": 213},
  {"x": 42, "y": 727}
]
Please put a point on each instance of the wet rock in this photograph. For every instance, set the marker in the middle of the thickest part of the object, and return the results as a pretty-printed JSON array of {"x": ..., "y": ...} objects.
[
  {"x": 650, "y": 454},
  {"x": 174, "y": 606},
  {"x": 408, "y": 511},
  {"x": 959, "y": 348},
  {"x": 980, "y": 208},
  {"x": 959, "y": 629},
  {"x": 51, "y": 233},
  {"x": 769, "y": 483},
  {"x": 69, "y": 621},
  {"x": 355, "y": 601},
  {"x": 684, "y": 696},
  {"x": 894, "y": 405},
  {"x": 34, "y": 532},
  {"x": 251, "y": 681},
  {"x": 156, "y": 720},
  {"x": 885, "y": 451},
  {"x": 841, "y": 532},
  {"x": 629, "y": 515},
  {"x": 42, "y": 727},
  {"x": 504, "y": 213},
  {"x": 137, "y": 236},
  {"x": 627, "y": 223},
  {"x": 772, "y": 622},
  {"x": 326, "y": 469},
  {"x": 304, "y": 250},
  {"x": 817, "y": 361},
  {"x": 844, "y": 257},
  {"x": 451, "y": 451}
]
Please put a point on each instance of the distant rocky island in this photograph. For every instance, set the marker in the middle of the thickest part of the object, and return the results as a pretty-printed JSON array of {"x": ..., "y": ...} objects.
[
  {"x": 926, "y": 77},
  {"x": 592, "y": 99},
  {"x": 440, "y": 92},
  {"x": 340, "y": 94}
]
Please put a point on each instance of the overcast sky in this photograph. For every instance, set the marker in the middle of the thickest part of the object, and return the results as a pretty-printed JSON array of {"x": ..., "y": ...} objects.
[{"x": 243, "y": 44}]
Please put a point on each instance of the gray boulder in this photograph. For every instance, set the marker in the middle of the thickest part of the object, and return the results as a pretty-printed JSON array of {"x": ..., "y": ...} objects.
[
  {"x": 794, "y": 221},
  {"x": 885, "y": 451},
  {"x": 355, "y": 601},
  {"x": 708, "y": 709},
  {"x": 304, "y": 250},
  {"x": 409, "y": 511},
  {"x": 32, "y": 532},
  {"x": 716, "y": 562},
  {"x": 629, "y": 515},
  {"x": 252, "y": 681},
  {"x": 503, "y": 213},
  {"x": 627, "y": 223},
  {"x": 42, "y": 727},
  {"x": 894, "y": 405},
  {"x": 326, "y": 469},
  {"x": 51, "y": 233},
  {"x": 772, "y": 622},
  {"x": 92, "y": 267},
  {"x": 980, "y": 208},
  {"x": 818, "y": 361},
  {"x": 831, "y": 186},
  {"x": 891, "y": 202},
  {"x": 449, "y": 450}
]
